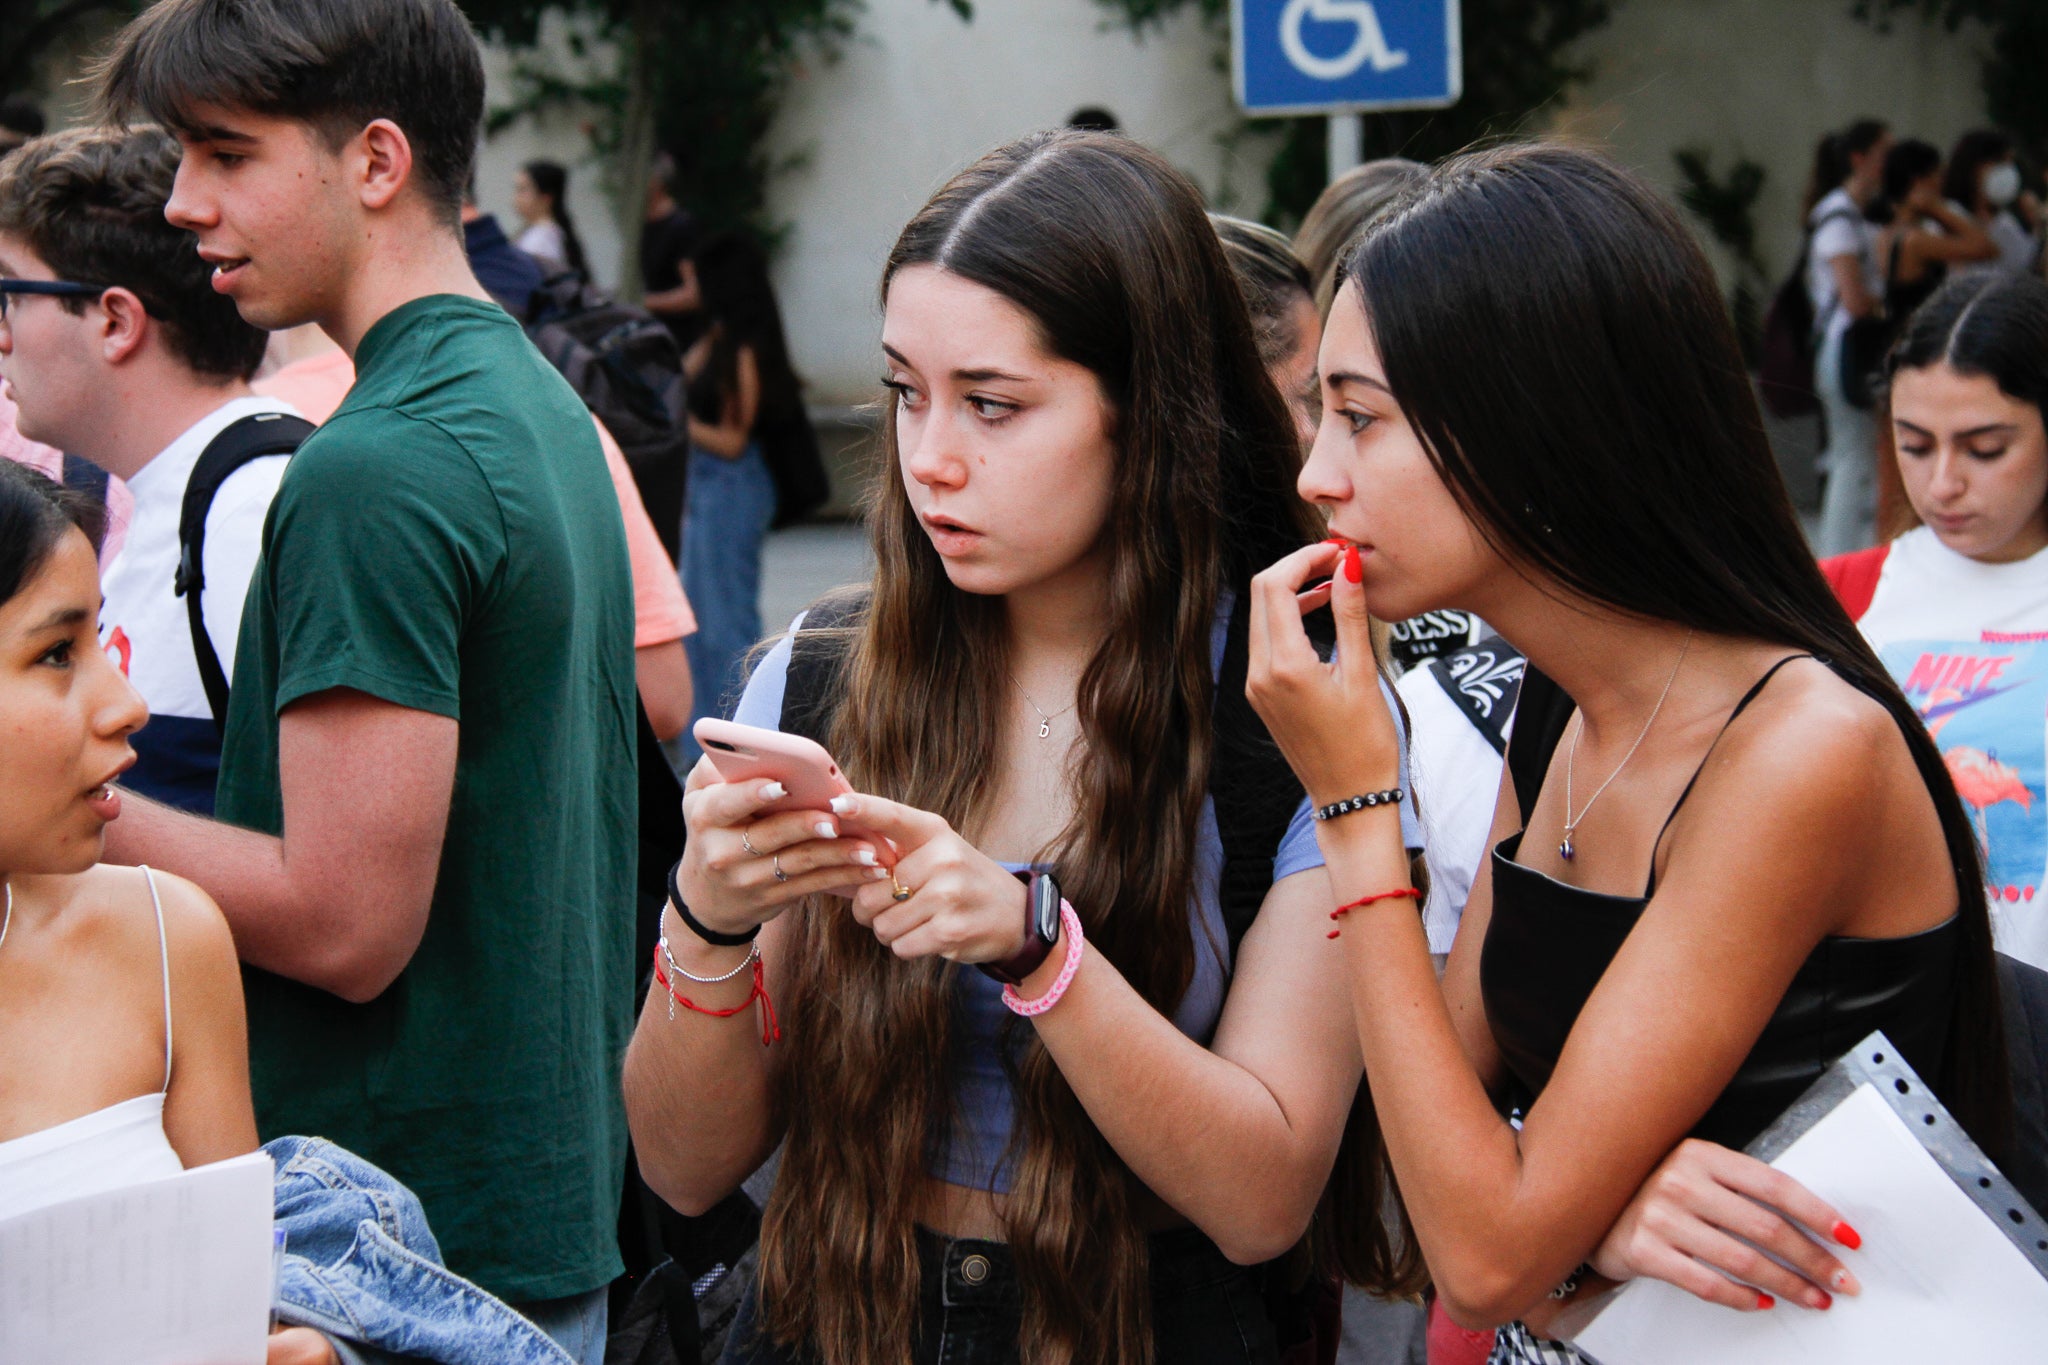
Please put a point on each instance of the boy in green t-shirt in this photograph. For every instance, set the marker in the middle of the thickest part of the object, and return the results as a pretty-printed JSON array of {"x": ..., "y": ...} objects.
[{"x": 427, "y": 784}]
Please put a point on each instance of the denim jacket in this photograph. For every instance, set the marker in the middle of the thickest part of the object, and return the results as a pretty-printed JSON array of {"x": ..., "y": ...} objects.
[{"x": 362, "y": 1267}]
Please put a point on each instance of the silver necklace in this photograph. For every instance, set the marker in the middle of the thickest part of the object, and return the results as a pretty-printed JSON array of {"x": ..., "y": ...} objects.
[
  {"x": 1565, "y": 849},
  {"x": 7, "y": 921},
  {"x": 1044, "y": 721}
]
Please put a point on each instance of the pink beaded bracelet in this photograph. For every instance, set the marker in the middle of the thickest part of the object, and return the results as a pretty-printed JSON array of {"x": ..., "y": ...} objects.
[{"x": 1070, "y": 925}]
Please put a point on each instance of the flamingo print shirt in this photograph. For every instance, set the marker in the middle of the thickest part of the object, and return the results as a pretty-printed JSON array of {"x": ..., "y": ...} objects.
[{"x": 1968, "y": 642}]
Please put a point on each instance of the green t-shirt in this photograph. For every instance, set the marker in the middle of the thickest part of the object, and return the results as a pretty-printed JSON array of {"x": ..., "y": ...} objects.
[{"x": 450, "y": 541}]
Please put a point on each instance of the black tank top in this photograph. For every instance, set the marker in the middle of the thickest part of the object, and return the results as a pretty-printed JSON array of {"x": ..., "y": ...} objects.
[{"x": 1548, "y": 944}]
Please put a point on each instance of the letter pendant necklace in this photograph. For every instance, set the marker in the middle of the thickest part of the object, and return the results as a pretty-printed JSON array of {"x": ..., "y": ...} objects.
[
  {"x": 1044, "y": 721},
  {"x": 1565, "y": 849}
]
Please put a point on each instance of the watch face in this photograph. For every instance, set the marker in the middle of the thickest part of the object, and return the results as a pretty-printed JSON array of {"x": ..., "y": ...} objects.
[{"x": 1045, "y": 906}]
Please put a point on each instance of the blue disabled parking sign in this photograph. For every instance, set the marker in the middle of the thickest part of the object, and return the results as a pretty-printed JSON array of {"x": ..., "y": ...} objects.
[{"x": 1344, "y": 56}]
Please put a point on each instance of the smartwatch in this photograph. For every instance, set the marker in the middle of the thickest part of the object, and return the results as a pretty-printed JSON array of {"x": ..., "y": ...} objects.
[{"x": 1041, "y": 930}]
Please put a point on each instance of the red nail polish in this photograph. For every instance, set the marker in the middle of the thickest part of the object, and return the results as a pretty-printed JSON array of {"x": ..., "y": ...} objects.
[
  {"x": 1765, "y": 1301},
  {"x": 1847, "y": 1236},
  {"x": 1353, "y": 570},
  {"x": 1333, "y": 933},
  {"x": 1825, "y": 1302}
]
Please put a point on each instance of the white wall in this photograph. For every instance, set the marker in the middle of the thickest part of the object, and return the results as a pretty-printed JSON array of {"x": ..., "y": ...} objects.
[
  {"x": 560, "y": 135},
  {"x": 917, "y": 96},
  {"x": 1764, "y": 79}
]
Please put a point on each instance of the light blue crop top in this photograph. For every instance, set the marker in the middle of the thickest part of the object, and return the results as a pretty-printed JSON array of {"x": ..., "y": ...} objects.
[{"x": 975, "y": 1149}]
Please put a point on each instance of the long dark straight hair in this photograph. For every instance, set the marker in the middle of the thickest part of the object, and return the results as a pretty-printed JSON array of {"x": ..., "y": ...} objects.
[
  {"x": 1594, "y": 419},
  {"x": 1106, "y": 247},
  {"x": 1831, "y": 160},
  {"x": 551, "y": 178}
]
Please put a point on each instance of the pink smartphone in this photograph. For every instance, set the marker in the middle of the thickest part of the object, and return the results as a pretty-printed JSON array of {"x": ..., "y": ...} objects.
[{"x": 748, "y": 753}]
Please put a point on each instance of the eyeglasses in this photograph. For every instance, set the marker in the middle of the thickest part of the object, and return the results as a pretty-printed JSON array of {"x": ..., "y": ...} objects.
[{"x": 63, "y": 289}]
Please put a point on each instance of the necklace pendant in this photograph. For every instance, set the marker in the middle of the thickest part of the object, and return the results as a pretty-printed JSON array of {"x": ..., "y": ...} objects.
[
  {"x": 1044, "y": 728},
  {"x": 1565, "y": 850}
]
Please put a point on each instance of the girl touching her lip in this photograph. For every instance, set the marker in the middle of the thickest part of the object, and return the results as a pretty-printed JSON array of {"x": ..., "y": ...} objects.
[
  {"x": 1725, "y": 849},
  {"x": 1070, "y": 1140}
]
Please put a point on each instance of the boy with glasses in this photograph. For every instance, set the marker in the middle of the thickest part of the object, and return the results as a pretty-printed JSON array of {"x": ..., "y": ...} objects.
[
  {"x": 428, "y": 767},
  {"x": 118, "y": 351}
]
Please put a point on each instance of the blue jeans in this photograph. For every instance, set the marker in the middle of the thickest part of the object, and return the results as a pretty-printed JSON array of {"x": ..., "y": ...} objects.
[
  {"x": 1205, "y": 1311},
  {"x": 361, "y": 1266},
  {"x": 725, "y": 518},
  {"x": 1848, "y": 509},
  {"x": 578, "y": 1324}
]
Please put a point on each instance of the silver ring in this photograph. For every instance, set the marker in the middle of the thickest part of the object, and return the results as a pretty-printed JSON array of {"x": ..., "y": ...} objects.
[
  {"x": 747, "y": 843},
  {"x": 775, "y": 866}
]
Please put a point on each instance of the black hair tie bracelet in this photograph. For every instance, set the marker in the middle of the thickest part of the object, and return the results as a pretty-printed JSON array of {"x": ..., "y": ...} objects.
[
  {"x": 1391, "y": 797},
  {"x": 711, "y": 936}
]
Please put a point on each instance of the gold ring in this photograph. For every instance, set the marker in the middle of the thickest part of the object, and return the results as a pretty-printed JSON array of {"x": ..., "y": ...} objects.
[
  {"x": 899, "y": 892},
  {"x": 747, "y": 843}
]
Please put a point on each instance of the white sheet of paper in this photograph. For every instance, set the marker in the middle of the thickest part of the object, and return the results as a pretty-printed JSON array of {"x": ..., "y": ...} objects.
[
  {"x": 170, "y": 1272},
  {"x": 1940, "y": 1280}
]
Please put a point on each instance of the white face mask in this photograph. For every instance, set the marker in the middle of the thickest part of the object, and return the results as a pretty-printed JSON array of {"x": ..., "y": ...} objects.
[{"x": 2002, "y": 184}]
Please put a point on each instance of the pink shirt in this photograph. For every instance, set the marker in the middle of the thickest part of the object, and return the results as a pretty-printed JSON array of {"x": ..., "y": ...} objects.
[{"x": 316, "y": 386}]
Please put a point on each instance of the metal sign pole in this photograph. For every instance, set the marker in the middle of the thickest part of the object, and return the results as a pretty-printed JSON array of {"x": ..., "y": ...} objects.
[{"x": 1346, "y": 142}]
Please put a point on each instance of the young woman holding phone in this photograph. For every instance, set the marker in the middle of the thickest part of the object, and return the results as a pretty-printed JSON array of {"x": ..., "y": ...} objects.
[
  {"x": 1725, "y": 848},
  {"x": 1035, "y": 705}
]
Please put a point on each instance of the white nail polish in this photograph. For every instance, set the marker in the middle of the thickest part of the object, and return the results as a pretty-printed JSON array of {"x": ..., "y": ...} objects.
[
  {"x": 774, "y": 791},
  {"x": 878, "y": 873},
  {"x": 866, "y": 857},
  {"x": 842, "y": 805},
  {"x": 823, "y": 829}
]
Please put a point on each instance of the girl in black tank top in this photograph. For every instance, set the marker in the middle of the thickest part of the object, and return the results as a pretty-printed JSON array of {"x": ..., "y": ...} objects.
[
  {"x": 1701, "y": 895},
  {"x": 1549, "y": 942}
]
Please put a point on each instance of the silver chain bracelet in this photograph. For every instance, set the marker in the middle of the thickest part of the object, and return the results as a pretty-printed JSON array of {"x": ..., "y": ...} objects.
[{"x": 677, "y": 968}]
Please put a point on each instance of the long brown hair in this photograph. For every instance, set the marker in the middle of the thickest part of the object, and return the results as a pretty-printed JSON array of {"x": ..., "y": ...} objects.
[{"x": 1106, "y": 247}]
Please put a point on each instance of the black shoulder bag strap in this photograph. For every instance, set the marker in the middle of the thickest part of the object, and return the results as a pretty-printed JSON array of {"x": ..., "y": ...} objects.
[
  {"x": 815, "y": 683},
  {"x": 250, "y": 438}
]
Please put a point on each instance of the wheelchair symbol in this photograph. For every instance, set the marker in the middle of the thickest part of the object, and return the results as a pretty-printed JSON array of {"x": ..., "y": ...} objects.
[{"x": 1370, "y": 44}]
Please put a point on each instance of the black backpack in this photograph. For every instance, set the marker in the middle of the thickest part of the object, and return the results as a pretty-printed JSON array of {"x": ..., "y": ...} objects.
[
  {"x": 622, "y": 361},
  {"x": 250, "y": 438}
]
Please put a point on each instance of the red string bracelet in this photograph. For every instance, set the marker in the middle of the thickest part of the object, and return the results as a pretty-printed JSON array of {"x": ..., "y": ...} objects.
[
  {"x": 770, "y": 1029},
  {"x": 1403, "y": 893}
]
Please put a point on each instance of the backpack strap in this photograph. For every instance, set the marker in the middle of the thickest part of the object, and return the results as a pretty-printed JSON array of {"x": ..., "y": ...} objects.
[
  {"x": 249, "y": 438},
  {"x": 815, "y": 683},
  {"x": 1854, "y": 577}
]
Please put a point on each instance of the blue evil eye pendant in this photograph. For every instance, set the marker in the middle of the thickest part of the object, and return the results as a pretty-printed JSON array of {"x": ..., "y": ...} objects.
[{"x": 1565, "y": 850}]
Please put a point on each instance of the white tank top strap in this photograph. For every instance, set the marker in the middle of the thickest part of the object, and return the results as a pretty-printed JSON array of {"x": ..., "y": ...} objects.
[{"x": 163, "y": 947}]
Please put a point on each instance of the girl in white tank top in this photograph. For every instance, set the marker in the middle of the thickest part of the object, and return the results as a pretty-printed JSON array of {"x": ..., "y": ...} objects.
[
  {"x": 121, "y": 1144},
  {"x": 93, "y": 958}
]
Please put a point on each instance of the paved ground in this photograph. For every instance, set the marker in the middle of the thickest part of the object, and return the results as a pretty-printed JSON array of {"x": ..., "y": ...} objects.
[{"x": 802, "y": 562}]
